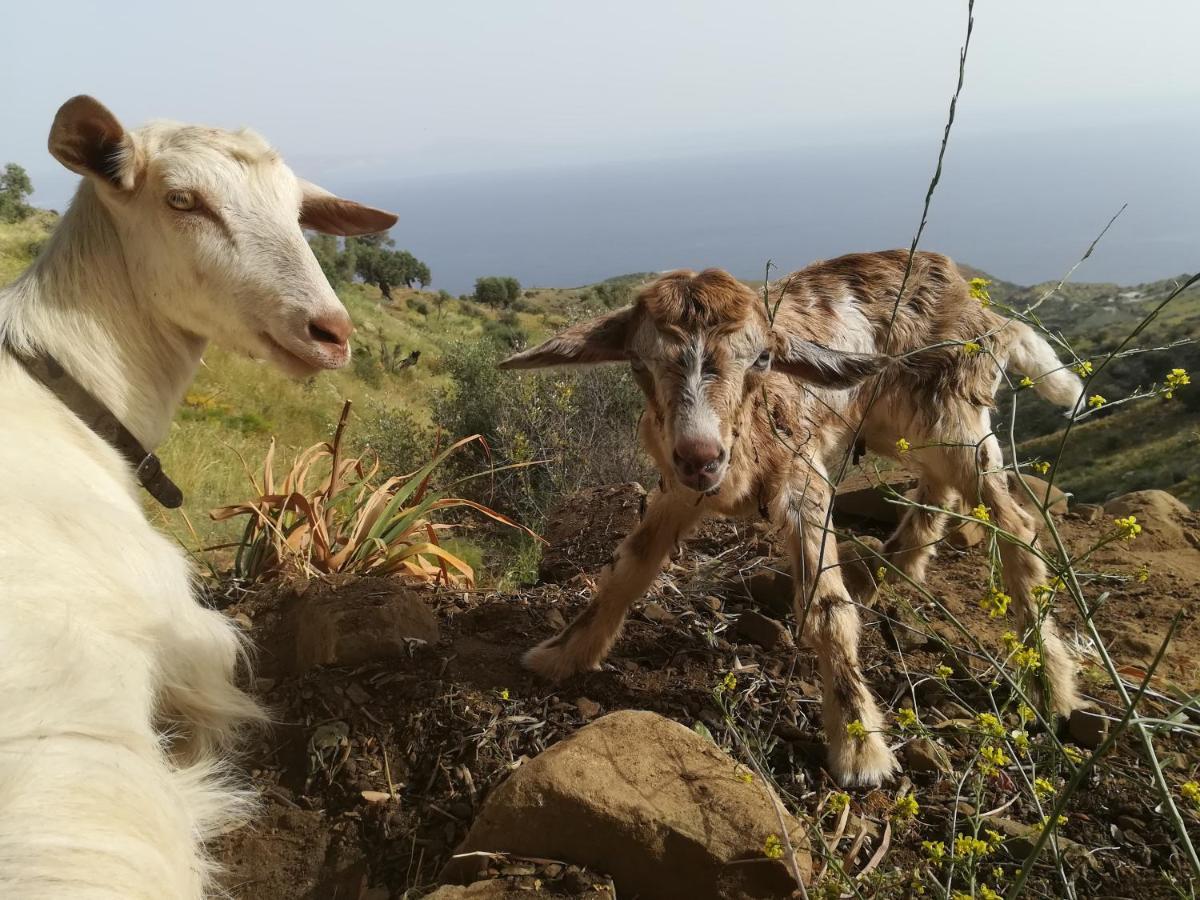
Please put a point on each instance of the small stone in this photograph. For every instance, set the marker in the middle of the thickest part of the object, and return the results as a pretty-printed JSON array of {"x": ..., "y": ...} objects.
[
  {"x": 1088, "y": 513},
  {"x": 243, "y": 621},
  {"x": 1087, "y": 728},
  {"x": 357, "y": 693},
  {"x": 713, "y": 602},
  {"x": 762, "y": 630},
  {"x": 555, "y": 619},
  {"x": 923, "y": 755},
  {"x": 658, "y": 613},
  {"x": 589, "y": 709}
]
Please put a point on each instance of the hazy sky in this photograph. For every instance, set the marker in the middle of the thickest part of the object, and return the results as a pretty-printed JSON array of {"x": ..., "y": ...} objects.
[{"x": 381, "y": 92}]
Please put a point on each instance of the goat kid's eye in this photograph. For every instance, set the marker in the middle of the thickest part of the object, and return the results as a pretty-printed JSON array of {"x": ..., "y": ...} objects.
[
  {"x": 184, "y": 201},
  {"x": 764, "y": 360}
]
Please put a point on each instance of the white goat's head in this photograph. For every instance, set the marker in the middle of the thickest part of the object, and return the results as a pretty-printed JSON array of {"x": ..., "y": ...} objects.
[
  {"x": 701, "y": 348},
  {"x": 210, "y": 225}
]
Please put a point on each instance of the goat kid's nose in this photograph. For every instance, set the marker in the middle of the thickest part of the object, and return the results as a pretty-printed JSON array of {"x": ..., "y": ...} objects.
[
  {"x": 698, "y": 455},
  {"x": 331, "y": 328}
]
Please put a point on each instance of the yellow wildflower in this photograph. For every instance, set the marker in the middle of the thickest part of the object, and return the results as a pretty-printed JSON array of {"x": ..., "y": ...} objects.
[
  {"x": 1011, "y": 641},
  {"x": 981, "y": 513},
  {"x": 1128, "y": 527},
  {"x": 994, "y": 838},
  {"x": 1084, "y": 369},
  {"x": 838, "y": 801},
  {"x": 1043, "y": 788},
  {"x": 1176, "y": 379},
  {"x": 995, "y": 604},
  {"x": 504, "y": 693},
  {"x": 1025, "y": 713},
  {"x": 966, "y": 846},
  {"x": 979, "y": 291},
  {"x": 728, "y": 684},
  {"x": 773, "y": 847},
  {"x": 1027, "y": 658},
  {"x": 1143, "y": 574},
  {"x": 992, "y": 759},
  {"x": 971, "y": 348},
  {"x": 943, "y": 671},
  {"x": 935, "y": 850},
  {"x": 1061, "y": 821},
  {"x": 1190, "y": 791},
  {"x": 1041, "y": 467},
  {"x": 905, "y": 808},
  {"x": 1026, "y": 382},
  {"x": 1096, "y": 401},
  {"x": 986, "y": 893},
  {"x": 1072, "y": 753},
  {"x": 906, "y": 718},
  {"x": 744, "y": 775},
  {"x": 856, "y": 730},
  {"x": 903, "y": 446},
  {"x": 990, "y": 725},
  {"x": 1020, "y": 739}
]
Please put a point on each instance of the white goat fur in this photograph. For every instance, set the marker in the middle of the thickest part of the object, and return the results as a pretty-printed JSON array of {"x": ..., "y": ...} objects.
[{"x": 118, "y": 685}]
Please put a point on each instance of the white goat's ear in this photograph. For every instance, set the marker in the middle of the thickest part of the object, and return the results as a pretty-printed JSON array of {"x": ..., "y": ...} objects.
[
  {"x": 816, "y": 364},
  {"x": 601, "y": 340},
  {"x": 88, "y": 139},
  {"x": 329, "y": 214}
]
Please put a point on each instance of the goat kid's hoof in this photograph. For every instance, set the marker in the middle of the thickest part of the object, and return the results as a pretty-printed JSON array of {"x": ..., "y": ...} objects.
[
  {"x": 555, "y": 663},
  {"x": 863, "y": 763}
]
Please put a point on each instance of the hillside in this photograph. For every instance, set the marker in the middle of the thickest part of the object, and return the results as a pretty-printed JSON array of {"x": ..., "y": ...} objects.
[{"x": 236, "y": 405}]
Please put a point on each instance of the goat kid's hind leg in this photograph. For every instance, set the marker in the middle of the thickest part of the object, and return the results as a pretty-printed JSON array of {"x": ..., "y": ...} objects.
[
  {"x": 584, "y": 643},
  {"x": 830, "y": 625},
  {"x": 1023, "y": 572},
  {"x": 913, "y": 543}
]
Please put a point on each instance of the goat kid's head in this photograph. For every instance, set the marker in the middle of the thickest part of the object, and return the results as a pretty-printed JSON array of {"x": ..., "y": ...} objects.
[
  {"x": 210, "y": 225},
  {"x": 701, "y": 347}
]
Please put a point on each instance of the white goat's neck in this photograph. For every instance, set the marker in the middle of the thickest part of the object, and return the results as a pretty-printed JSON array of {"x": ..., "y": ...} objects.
[{"x": 79, "y": 303}]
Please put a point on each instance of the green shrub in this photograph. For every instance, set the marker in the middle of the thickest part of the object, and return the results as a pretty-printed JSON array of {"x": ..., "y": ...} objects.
[{"x": 565, "y": 431}]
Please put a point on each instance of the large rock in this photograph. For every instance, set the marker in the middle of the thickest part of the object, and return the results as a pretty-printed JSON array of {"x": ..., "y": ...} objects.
[
  {"x": 863, "y": 497},
  {"x": 650, "y": 802},
  {"x": 1160, "y": 514},
  {"x": 584, "y": 529}
]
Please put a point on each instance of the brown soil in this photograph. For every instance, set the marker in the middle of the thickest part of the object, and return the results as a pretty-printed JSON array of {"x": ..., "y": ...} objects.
[{"x": 374, "y": 772}]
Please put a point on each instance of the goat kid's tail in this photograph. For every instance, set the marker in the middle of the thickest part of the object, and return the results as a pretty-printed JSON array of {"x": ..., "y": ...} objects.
[{"x": 1031, "y": 355}]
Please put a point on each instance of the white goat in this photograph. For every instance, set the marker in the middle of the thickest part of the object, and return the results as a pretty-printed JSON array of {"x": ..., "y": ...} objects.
[{"x": 117, "y": 684}]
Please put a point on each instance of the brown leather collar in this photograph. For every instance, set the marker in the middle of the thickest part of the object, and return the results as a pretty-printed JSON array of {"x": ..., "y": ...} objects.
[{"x": 98, "y": 417}]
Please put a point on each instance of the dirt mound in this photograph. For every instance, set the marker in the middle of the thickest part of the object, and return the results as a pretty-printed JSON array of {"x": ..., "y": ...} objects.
[
  {"x": 583, "y": 530},
  {"x": 648, "y": 800},
  {"x": 1166, "y": 521}
]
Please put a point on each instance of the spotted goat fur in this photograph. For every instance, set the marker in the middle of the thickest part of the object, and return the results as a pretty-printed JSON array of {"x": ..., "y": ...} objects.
[{"x": 751, "y": 406}]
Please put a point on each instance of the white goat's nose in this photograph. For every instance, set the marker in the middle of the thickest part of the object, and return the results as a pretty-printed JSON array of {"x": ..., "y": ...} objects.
[{"x": 331, "y": 328}]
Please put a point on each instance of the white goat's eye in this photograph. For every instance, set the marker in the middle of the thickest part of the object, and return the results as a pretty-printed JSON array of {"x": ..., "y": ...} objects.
[
  {"x": 764, "y": 359},
  {"x": 184, "y": 201}
]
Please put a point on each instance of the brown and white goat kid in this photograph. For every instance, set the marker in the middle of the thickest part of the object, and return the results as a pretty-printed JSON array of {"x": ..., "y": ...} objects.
[
  {"x": 747, "y": 417},
  {"x": 117, "y": 685}
]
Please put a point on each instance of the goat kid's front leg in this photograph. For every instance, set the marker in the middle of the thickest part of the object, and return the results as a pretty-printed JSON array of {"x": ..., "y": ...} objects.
[
  {"x": 830, "y": 625},
  {"x": 584, "y": 644}
]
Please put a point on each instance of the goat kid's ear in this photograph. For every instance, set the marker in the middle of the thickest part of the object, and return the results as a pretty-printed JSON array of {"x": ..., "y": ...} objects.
[
  {"x": 601, "y": 340},
  {"x": 817, "y": 364},
  {"x": 88, "y": 139},
  {"x": 329, "y": 214}
]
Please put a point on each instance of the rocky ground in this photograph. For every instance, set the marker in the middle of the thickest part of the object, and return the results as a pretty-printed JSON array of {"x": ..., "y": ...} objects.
[{"x": 411, "y": 749}]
